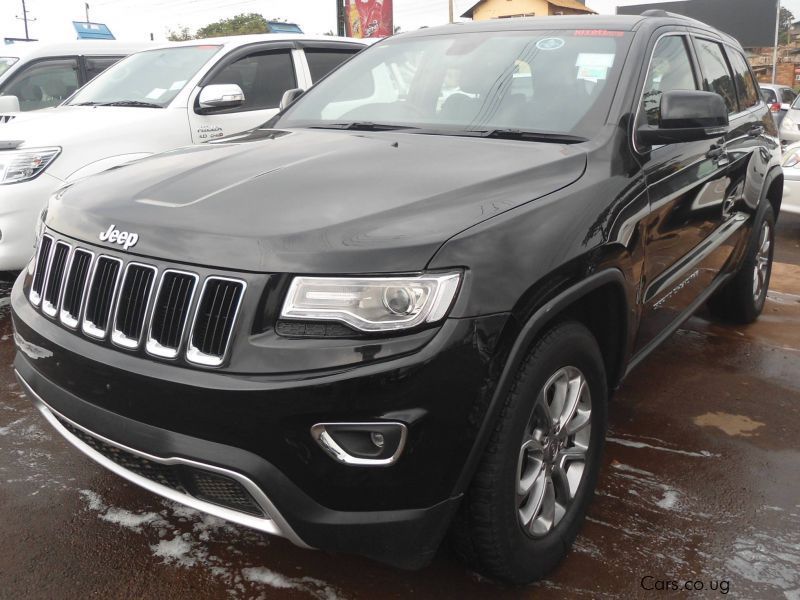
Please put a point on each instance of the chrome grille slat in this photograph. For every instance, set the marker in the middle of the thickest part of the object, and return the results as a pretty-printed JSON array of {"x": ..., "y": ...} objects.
[
  {"x": 74, "y": 291},
  {"x": 55, "y": 278},
  {"x": 170, "y": 313},
  {"x": 100, "y": 298},
  {"x": 214, "y": 319},
  {"x": 132, "y": 301},
  {"x": 43, "y": 253},
  {"x": 102, "y": 294}
]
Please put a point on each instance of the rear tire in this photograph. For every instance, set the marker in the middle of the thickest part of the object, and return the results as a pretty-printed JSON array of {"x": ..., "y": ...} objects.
[
  {"x": 538, "y": 473},
  {"x": 742, "y": 299}
]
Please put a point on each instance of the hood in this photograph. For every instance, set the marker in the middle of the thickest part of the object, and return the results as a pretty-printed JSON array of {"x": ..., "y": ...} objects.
[
  {"x": 313, "y": 201},
  {"x": 84, "y": 131}
]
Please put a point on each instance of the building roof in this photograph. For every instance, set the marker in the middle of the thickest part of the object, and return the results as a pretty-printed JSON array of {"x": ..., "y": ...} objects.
[{"x": 561, "y": 3}]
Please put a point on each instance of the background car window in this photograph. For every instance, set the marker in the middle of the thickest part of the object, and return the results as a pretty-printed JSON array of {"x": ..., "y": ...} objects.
[
  {"x": 787, "y": 96},
  {"x": 263, "y": 77},
  {"x": 670, "y": 70},
  {"x": 716, "y": 73},
  {"x": 769, "y": 95},
  {"x": 323, "y": 61},
  {"x": 746, "y": 87},
  {"x": 45, "y": 83},
  {"x": 97, "y": 64}
]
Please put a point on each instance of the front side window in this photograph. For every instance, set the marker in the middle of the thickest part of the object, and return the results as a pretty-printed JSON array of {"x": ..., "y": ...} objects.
[
  {"x": 263, "y": 77},
  {"x": 148, "y": 78},
  {"x": 717, "y": 76},
  {"x": 45, "y": 83},
  {"x": 555, "y": 81},
  {"x": 670, "y": 70},
  {"x": 745, "y": 85},
  {"x": 6, "y": 62}
]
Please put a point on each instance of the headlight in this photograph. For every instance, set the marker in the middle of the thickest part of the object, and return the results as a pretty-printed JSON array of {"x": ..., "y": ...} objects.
[
  {"x": 372, "y": 303},
  {"x": 791, "y": 158},
  {"x": 22, "y": 165}
]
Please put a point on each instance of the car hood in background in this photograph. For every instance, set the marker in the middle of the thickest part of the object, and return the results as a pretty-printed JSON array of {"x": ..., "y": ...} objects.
[{"x": 313, "y": 201}]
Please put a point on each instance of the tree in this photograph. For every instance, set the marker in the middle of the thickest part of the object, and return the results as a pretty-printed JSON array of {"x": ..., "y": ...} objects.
[
  {"x": 786, "y": 21},
  {"x": 181, "y": 35},
  {"x": 242, "y": 24}
]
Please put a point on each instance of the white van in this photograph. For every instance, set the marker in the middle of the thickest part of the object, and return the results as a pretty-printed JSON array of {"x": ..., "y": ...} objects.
[
  {"x": 152, "y": 101},
  {"x": 36, "y": 75}
]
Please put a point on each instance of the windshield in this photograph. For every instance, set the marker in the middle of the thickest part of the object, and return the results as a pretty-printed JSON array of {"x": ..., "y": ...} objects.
[
  {"x": 558, "y": 82},
  {"x": 149, "y": 78},
  {"x": 6, "y": 62}
]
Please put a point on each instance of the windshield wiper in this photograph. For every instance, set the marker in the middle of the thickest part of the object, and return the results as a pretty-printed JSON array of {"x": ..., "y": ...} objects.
[
  {"x": 120, "y": 103},
  {"x": 363, "y": 126},
  {"x": 533, "y": 136}
]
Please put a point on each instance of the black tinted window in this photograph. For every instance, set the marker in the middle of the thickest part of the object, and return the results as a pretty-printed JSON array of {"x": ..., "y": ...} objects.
[
  {"x": 97, "y": 64},
  {"x": 745, "y": 85},
  {"x": 787, "y": 96},
  {"x": 716, "y": 73},
  {"x": 322, "y": 62},
  {"x": 263, "y": 77},
  {"x": 45, "y": 83},
  {"x": 670, "y": 70}
]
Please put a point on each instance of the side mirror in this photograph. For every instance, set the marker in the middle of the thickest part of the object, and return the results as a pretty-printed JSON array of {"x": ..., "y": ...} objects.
[
  {"x": 687, "y": 116},
  {"x": 9, "y": 104},
  {"x": 220, "y": 95},
  {"x": 289, "y": 96}
]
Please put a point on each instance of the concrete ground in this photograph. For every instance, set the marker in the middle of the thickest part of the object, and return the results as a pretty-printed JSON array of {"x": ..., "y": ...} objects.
[{"x": 701, "y": 484}]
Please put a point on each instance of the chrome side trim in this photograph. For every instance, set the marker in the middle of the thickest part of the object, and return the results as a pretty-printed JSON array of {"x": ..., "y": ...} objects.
[
  {"x": 193, "y": 354},
  {"x": 117, "y": 337},
  {"x": 88, "y": 327},
  {"x": 35, "y": 297},
  {"x": 275, "y": 525},
  {"x": 152, "y": 346},
  {"x": 324, "y": 439}
]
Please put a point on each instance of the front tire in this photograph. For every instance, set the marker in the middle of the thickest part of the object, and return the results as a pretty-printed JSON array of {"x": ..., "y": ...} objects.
[
  {"x": 529, "y": 496},
  {"x": 742, "y": 299}
]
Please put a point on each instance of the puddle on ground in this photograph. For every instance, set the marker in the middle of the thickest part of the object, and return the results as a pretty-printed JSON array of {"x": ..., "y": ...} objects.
[{"x": 740, "y": 425}]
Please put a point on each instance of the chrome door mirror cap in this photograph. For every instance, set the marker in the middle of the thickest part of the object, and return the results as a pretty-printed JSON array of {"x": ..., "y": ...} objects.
[{"x": 222, "y": 95}]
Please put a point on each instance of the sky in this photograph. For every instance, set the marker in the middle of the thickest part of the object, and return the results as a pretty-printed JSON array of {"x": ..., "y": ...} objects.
[{"x": 137, "y": 19}]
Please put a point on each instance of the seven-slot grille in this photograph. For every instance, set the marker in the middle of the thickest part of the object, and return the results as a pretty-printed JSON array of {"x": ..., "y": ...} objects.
[{"x": 105, "y": 296}]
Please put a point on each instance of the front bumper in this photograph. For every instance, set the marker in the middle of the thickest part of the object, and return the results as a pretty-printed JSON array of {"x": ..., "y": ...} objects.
[{"x": 256, "y": 430}]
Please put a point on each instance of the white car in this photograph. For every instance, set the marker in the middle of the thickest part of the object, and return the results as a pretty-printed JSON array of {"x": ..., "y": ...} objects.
[
  {"x": 150, "y": 102},
  {"x": 791, "y": 179},
  {"x": 36, "y": 75}
]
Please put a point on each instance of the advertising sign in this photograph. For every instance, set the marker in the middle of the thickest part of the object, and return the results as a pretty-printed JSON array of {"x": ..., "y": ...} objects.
[{"x": 369, "y": 18}]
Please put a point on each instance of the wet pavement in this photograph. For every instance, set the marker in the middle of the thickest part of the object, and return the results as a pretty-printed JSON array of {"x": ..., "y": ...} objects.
[{"x": 701, "y": 484}]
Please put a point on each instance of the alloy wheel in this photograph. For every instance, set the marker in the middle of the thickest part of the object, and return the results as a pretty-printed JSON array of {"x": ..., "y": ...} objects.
[
  {"x": 552, "y": 457},
  {"x": 761, "y": 268}
]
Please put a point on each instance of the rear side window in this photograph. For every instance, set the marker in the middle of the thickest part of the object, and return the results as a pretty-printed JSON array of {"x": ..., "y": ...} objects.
[
  {"x": 745, "y": 85},
  {"x": 787, "y": 96},
  {"x": 717, "y": 76},
  {"x": 670, "y": 70},
  {"x": 97, "y": 64},
  {"x": 769, "y": 95},
  {"x": 323, "y": 61},
  {"x": 263, "y": 77}
]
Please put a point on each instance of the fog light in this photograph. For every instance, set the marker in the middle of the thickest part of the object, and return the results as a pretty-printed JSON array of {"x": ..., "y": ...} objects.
[{"x": 362, "y": 444}]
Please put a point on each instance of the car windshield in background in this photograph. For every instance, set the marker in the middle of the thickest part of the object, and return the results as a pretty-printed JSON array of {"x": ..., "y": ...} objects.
[
  {"x": 505, "y": 84},
  {"x": 6, "y": 62},
  {"x": 150, "y": 78}
]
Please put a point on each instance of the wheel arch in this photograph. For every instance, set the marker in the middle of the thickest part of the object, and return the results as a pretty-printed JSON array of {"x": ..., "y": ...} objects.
[{"x": 600, "y": 302}]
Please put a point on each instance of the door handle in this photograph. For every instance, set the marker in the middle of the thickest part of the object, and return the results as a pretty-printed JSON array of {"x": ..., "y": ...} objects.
[{"x": 756, "y": 131}]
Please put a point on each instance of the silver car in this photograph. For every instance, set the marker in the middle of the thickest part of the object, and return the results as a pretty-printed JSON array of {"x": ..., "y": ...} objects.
[
  {"x": 791, "y": 182},
  {"x": 789, "y": 130},
  {"x": 779, "y": 98}
]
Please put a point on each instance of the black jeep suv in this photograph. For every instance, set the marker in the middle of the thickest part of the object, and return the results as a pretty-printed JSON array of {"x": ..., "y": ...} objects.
[{"x": 397, "y": 310}]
